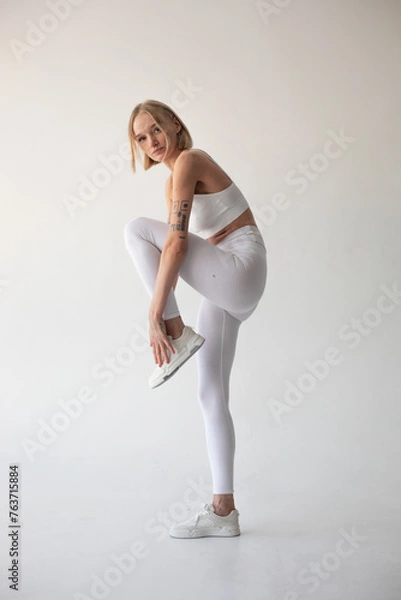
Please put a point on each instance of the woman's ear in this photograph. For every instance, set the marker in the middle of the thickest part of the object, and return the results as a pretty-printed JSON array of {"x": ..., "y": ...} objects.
[{"x": 177, "y": 125}]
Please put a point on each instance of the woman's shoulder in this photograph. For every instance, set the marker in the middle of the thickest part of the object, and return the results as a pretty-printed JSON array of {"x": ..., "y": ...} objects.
[
  {"x": 199, "y": 158},
  {"x": 194, "y": 155},
  {"x": 197, "y": 152},
  {"x": 195, "y": 160},
  {"x": 209, "y": 174}
]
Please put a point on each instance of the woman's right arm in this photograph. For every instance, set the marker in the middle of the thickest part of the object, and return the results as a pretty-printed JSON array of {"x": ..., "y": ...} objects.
[{"x": 167, "y": 192}]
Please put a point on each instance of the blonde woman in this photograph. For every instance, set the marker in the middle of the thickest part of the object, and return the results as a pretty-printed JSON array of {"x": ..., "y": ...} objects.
[{"x": 211, "y": 240}]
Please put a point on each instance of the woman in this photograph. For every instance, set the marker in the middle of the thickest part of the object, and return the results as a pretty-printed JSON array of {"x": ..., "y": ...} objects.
[{"x": 211, "y": 240}]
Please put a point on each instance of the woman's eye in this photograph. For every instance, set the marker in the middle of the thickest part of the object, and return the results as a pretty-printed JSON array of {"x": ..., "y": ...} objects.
[{"x": 155, "y": 130}]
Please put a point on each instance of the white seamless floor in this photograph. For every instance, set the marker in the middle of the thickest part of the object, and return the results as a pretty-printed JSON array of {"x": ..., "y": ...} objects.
[{"x": 90, "y": 533}]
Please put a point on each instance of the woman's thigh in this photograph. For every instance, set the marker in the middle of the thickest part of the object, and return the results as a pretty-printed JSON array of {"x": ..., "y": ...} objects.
[{"x": 215, "y": 273}]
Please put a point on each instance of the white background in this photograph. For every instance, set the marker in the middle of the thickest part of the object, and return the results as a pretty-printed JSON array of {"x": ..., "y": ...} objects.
[{"x": 263, "y": 87}]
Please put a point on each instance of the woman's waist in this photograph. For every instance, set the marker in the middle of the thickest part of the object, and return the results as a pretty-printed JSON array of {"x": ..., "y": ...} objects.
[
  {"x": 247, "y": 238},
  {"x": 246, "y": 219}
]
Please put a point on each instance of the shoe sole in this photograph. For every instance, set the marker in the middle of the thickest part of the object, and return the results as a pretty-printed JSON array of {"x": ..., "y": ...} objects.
[
  {"x": 198, "y": 343},
  {"x": 200, "y": 534}
]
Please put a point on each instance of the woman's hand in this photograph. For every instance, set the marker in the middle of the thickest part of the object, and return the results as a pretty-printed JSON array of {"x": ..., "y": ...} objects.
[{"x": 159, "y": 341}]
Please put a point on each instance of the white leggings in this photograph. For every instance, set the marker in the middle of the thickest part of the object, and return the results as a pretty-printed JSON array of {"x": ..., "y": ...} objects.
[{"x": 231, "y": 277}]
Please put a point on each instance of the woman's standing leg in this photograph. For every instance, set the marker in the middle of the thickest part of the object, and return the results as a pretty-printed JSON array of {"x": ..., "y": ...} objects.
[{"x": 215, "y": 360}]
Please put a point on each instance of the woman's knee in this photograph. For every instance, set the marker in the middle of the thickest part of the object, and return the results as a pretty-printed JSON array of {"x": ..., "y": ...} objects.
[
  {"x": 213, "y": 392},
  {"x": 135, "y": 227}
]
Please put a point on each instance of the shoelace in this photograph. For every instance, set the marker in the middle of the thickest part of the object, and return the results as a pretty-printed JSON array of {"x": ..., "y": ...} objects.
[{"x": 203, "y": 512}]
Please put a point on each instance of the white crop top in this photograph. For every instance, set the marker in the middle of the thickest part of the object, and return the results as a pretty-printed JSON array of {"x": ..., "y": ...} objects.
[{"x": 212, "y": 212}]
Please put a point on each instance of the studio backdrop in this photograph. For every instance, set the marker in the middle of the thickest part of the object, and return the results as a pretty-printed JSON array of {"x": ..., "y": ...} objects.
[{"x": 299, "y": 101}]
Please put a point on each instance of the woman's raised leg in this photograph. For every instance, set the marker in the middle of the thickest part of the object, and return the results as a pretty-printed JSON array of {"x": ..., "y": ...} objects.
[
  {"x": 144, "y": 240},
  {"x": 213, "y": 272}
]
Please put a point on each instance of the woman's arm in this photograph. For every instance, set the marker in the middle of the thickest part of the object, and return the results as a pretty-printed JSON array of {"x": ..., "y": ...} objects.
[
  {"x": 170, "y": 262},
  {"x": 175, "y": 282},
  {"x": 169, "y": 202},
  {"x": 174, "y": 250}
]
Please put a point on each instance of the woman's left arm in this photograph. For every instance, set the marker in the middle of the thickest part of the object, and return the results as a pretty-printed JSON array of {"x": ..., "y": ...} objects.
[{"x": 173, "y": 253}]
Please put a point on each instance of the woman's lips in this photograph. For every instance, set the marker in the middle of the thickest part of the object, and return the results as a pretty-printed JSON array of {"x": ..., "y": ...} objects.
[{"x": 157, "y": 151}]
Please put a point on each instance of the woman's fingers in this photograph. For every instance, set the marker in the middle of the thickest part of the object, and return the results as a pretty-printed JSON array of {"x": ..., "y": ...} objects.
[
  {"x": 156, "y": 355},
  {"x": 167, "y": 349},
  {"x": 162, "y": 348},
  {"x": 160, "y": 342},
  {"x": 166, "y": 355},
  {"x": 169, "y": 345}
]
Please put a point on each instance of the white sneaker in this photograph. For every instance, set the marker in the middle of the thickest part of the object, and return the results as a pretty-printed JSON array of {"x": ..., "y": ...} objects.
[
  {"x": 185, "y": 346},
  {"x": 207, "y": 524}
]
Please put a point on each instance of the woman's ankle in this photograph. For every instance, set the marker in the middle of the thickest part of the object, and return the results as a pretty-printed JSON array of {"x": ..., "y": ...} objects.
[
  {"x": 223, "y": 504},
  {"x": 174, "y": 327}
]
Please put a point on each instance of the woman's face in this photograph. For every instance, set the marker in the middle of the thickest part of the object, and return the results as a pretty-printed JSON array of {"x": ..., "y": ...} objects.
[{"x": 150, "y": 138}]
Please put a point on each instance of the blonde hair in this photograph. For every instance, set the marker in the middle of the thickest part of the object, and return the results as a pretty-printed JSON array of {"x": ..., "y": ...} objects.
[{"x": 163, "y": 116}]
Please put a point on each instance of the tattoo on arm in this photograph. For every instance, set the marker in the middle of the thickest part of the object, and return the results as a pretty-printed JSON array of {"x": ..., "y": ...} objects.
[{"x": 180, "y": 211}]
